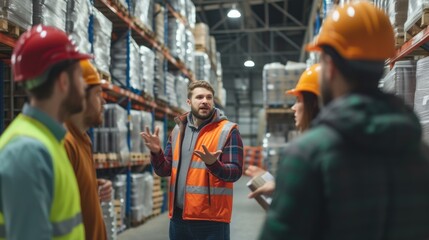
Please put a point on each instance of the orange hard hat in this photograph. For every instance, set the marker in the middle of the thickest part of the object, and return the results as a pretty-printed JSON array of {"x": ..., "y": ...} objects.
[
  {"x": 89, "y": 73},
  {"x": 309, "y": 81},
  {"x": 357, "y": 31}
]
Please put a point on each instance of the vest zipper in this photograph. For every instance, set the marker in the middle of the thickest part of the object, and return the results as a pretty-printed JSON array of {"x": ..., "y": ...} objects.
[{"x": 208, "y": 183}]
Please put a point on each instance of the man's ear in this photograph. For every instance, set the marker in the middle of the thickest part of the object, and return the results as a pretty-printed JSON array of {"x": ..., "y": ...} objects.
[
  {"x": 188, "y": 101},
  {"x": 63, "y": 82},
  {"x": 331, "y": 69}
]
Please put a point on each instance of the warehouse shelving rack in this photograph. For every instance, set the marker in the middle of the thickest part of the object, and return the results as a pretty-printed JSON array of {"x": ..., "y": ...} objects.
[
  {"x": 122, "y": 23},
  {"x": 417, "y": 45}
]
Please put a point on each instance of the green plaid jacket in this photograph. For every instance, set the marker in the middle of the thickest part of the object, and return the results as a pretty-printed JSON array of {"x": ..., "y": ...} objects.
[{"x": 361, "y": 173}]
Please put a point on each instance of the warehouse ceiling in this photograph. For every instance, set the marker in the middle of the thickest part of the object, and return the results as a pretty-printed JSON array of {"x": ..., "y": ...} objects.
[{"x": 267, "y": 31}]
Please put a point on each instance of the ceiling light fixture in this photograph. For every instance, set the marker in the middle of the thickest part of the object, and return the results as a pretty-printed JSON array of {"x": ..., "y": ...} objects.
[
  {"x": 249, "y": 63},
  {"x": 234, "y": 13}
]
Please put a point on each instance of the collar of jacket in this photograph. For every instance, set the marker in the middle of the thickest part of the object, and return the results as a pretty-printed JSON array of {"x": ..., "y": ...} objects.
[{"x": 182, "y": 120}]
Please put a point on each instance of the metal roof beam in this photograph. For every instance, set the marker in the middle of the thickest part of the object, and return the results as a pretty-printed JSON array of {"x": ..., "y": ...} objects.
[
  {"x": 261, "y": 54},
  {"x": 271, "y": 29},
  {"x": 287, "y": 14},
  {"x": 287, "y": 39},
  {"x": 213, "y": 5}
]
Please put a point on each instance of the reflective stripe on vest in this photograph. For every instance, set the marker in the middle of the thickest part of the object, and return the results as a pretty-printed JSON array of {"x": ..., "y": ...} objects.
[
  {"x": 65, "y": 213},
  {"x": 205, "y": 190},
  {"x": 199, "y": 203},
  {"x": 58, "y": 228},
  {"x": 62, "y": 228}
]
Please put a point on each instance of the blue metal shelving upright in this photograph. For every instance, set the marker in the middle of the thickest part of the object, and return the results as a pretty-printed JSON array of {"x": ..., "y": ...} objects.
[
  {"x": 128, "y": 79},
  {"x": 91, "y": 41}
]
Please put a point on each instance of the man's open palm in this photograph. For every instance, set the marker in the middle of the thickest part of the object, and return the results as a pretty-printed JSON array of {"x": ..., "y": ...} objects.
[
  {"x": 207, "y": 157},
  {"x": 152, "y": 140}
]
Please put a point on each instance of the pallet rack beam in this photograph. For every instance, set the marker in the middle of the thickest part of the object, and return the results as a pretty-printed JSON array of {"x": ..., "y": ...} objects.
[{"x": 410, "y": 46}]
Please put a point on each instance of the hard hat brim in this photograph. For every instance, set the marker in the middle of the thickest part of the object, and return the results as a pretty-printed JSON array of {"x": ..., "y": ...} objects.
[
  {"x": 313, "y": 48},
  {"x": 293, "y": 92}
]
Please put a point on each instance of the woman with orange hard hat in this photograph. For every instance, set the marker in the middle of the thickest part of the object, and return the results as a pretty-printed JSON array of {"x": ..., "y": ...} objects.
[{"x": 306, "y": 108}]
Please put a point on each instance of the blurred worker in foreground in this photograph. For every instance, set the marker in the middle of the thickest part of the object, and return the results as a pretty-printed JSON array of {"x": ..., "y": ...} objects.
[
  {"x": 39, "y": 195},
  {"x": 79, "y": 149},
  {"x": 306, "y": 108},
  {"x": 362, "y": 171},
  {"x": 203, "y": 156}
]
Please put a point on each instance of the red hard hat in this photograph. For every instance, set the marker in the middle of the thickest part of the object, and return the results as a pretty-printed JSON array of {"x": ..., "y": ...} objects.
[{"x": 39, "y": 48}]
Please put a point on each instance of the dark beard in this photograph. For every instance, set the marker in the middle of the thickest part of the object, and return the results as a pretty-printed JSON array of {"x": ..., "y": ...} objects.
[
  {"x": 197, "y": 115},
  {"x": 73, "y": 103}
]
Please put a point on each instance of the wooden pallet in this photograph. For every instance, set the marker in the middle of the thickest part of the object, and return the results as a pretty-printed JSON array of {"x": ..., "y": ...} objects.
[
  {"x": 420, "y": 23},
  {"x": 112, "y": 157},
  {"x": 105, "y": 157},
  {"x": 120, "y": 7},
  {"x": 201, "y": 48},
  {"x": 9, "y": 27},
  {"x": 399, "y": 40},
  {"x": 135, "y": 156},
  {"x": 139, "y": 24},
  {"x": 147, "y": 96},
  {"x": 100, "y": 157}
]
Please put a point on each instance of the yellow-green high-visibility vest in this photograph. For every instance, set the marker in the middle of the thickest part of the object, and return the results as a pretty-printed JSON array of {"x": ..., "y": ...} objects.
[{"x": 65, "y": 213}]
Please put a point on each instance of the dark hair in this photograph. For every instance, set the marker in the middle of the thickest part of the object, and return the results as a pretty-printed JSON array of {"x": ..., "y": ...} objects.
[
  {"x": 199, "y": 84},
  {"x": 45, "y": 90},
  {"x": 311, "y": 109},
  {"x": 362, "y": 75}
]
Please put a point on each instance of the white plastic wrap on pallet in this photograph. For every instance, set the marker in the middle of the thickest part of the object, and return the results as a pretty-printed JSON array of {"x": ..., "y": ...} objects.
[
  {"x": 102, "y": 41},
  {"x": 123, "y": 3},
  {"x": 176, "y": 38},
  {"x": 77, "y": 23},
  {"x": 182, "y": 89},
  {"x": 171, "y": 89},
  {"x": 421, "y": 100},
  {"x": 141, "y": 196},
  {"x": 415, "y": 10},
  {"x": 179, "y": 6},
  {"x": 119, "y": 63},
  {"x": 213, "y": 79},
  {"x": 147, "y": 57},
  {"x": 112, "y": 136},
  {"x": 191, "y": 14},
  {"x": 159, "y": 86},
  {"x": 401, "y": 80},
  {"x": 119, "y": 187},
  {"x": 277, "y": 78},
  {"x": 143, "y": 11},
  {"x": 222, "y": 96},
  {"x": 135, "y": 130},
  {"x": 189, "y": 50},
  {"x": 397, "y": 11},
  {"x": 109, "y": 216},
  {"x": 52, "y": 13},
  {"x": 219, "y": 64},
  {"x": 158, "y": 16},
  {"x": 202, "y": 66},
  {"x": 19, "y": 12},
  {"x": 147, "y": 194}
]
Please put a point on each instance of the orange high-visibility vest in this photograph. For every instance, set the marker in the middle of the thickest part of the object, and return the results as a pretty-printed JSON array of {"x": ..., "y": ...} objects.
[{"x": 206, "y": 196}]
